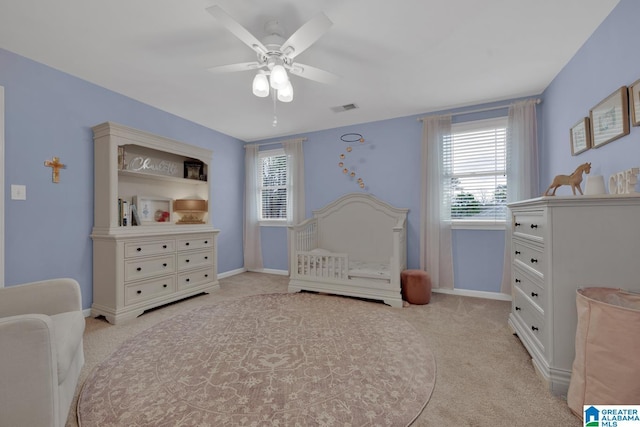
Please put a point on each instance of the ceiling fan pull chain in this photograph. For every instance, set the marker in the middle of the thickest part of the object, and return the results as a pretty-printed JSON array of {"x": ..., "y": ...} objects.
[{"x": 275, "y": 117}]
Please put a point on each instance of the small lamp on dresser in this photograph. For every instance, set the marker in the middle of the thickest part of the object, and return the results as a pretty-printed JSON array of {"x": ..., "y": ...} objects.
[{"x": 191, "y": 211}]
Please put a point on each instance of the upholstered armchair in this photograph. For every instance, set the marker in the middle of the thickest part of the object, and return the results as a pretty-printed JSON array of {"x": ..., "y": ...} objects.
[{"x": 41, "y": 354}]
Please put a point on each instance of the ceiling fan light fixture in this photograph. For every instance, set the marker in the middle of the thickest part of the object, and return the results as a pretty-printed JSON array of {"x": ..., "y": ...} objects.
[
  {"x": 279, "y": 77},
  {"x": 286, "y": 94},
  {"x": 260, "y": 85}
]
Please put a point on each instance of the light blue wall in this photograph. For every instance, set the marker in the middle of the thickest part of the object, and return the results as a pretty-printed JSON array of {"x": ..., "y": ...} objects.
[
  {"x": 389, "y": 163},
  {"x": 49, "y": 113},
  {"x": 608, "y": 60}
]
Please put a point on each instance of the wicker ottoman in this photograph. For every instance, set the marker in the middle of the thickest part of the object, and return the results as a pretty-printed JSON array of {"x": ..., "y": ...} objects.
[{"x": 416, "y": 286}]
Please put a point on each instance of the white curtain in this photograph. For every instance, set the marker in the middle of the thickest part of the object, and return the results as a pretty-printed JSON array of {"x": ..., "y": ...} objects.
[
  {"x": 435, "y": 205},
  {"x": 252, "y": 244},
  {"x": 295, "y": 203},
  {"x": 522, "y": 168},
  {"x": 295, "y": 157}
]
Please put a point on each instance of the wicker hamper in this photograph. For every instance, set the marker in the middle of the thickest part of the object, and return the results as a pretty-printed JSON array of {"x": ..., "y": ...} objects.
[{"x": 606, "y": 368}]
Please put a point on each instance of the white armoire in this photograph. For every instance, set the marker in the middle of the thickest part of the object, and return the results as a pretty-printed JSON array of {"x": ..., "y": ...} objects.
[{"x": 161, "y": 260}]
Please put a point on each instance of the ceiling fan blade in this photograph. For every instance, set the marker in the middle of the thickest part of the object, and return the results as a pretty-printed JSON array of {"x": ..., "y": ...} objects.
[
  {"x": 306, "y": 35},
  {"x": 244, "y": 66},
  {"x": 313, "y": 73},
  {"x": 236, "y": 29}
]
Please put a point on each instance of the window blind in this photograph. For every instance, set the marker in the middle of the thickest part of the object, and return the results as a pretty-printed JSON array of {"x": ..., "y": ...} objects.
[
  {"x": 272, "y": 188},
  {"x": 474, "y": 159}
]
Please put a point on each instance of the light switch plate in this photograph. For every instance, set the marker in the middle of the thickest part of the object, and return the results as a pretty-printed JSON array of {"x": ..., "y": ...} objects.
[{"x": 18, "y": 192}]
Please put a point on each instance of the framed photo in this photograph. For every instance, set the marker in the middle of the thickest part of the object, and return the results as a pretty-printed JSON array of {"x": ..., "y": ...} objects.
[
  {"x": 153, "y": 210},
  {"x": 634, "y": 103},
  {"x": 580, "y": 136},
  {"x": 610, "y": 118}
]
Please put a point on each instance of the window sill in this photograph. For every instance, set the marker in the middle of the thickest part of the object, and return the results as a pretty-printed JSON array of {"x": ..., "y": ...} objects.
[
  {"x": 282, "y": 223},
  {"x": 476, "y": 225}
]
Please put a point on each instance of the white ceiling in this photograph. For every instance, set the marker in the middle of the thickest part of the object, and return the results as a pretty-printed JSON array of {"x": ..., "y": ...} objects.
[{"x": 394, "y": 58}]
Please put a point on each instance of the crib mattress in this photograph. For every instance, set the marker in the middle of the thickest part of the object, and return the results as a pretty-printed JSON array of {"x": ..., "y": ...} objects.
[{"x": 369, "y": 270}]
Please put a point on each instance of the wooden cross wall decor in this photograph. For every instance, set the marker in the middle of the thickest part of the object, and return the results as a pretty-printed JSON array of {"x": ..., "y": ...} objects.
[{"x": 55, "y": 165}]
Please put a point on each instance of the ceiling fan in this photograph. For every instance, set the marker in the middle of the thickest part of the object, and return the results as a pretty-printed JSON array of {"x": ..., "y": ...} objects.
[{"x": 276, "y": 55}]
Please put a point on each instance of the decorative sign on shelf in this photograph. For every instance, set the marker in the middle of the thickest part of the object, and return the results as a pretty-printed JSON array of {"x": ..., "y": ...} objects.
[
  {"x": 137, "y": 160},
  {"x": 624, "y": 182}
]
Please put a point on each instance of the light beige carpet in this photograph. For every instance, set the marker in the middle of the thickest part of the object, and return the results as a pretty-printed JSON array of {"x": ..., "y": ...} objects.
[{"x": 276, "y": 359}]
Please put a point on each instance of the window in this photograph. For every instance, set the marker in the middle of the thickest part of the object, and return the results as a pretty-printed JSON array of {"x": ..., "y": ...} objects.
[
  {"x": 475, "y": 159},
  {"x": 273, "y": 190}
]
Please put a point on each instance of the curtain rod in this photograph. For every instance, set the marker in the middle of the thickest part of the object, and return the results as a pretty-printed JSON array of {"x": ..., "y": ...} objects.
[
  {"x": 275, "y": 142},
  {"x": 478, "y": 110}
]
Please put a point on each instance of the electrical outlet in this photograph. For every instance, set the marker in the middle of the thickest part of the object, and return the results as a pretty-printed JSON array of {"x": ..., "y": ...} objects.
[{"x": 18, "y": 192}]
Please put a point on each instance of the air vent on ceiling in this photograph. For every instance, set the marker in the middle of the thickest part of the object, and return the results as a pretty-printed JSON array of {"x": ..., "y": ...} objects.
[{"x": 345, "y": 107}]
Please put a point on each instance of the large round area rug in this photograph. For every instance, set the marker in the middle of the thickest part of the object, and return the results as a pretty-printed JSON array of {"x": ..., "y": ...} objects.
[{"x": 267, "y": 360}]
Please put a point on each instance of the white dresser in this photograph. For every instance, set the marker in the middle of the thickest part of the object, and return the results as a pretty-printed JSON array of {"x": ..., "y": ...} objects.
[
  {"x": 558, "y": 245},
  {"x": 136, "y": 268}
]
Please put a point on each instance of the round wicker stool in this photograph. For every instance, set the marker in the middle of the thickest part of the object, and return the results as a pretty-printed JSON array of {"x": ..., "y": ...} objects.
[{"x": 416, "y": 286}]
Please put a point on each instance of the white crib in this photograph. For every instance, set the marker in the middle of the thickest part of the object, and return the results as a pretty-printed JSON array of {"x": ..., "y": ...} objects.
[{"x": 354, "y": 246}]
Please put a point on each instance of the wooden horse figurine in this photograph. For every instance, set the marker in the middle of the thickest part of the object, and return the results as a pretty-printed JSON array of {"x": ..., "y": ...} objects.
[{"x": 573, "y": 180}]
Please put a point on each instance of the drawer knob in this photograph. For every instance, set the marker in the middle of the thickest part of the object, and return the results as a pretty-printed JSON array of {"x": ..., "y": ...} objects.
[
  {"x": 164, "y": 246},
  {"x": 138, "y": 292},
  {"x": 139, "y": 268},
  {"x": 534, "y": 328},
  {"x": 518, "y": 308},
  {"x": 187, "y": 279},
  {"x": 206, "y": 257},
  {"x": 534, "y": 225},
  {"x": 517, "y": 224},
  {"x": 534, "y": 294},
  {"x": 206, "y": 275},
  {"x": 186, "y": 244},
  {"x": 206, "y": 242},
  {"x": 186, "y": 260},
  {"x": 518, "y": 252},
  {"x": 518, "y": 280},
  {"x": 164, "y": 264},
  {"x": 139, "y": 249},
  {"x": 165, "y": 285},
  {"x": 533, "y": 260}
]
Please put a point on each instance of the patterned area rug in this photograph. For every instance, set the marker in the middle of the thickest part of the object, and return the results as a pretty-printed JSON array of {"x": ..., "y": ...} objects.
[{"x": 277, "y": 360}]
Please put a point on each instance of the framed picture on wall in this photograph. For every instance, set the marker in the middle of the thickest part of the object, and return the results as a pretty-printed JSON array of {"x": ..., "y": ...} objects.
[
  {"x": 610, "y": 118},
  {"x": 580, "y": 136},
  {"x": 634, "y": 103}
]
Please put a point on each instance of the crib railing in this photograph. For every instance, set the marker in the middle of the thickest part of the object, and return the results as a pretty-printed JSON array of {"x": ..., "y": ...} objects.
[
  {"x": 325, "y": 266},
  {"x": 306, "y": 235}
]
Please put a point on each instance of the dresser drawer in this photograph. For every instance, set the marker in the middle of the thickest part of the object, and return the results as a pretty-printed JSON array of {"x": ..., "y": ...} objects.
[
  {"x": 530, "y": 318},
  {"x": 194, "y": 259},
  {"x": 200, "y": 241},
  {"x": 195, "y": 278},
  {"x": 147, "y": 248},
  {"x": 141, "y": 268},
  {"x": 530, "y": 286},
  {"x": 530, "y": 224},
  {"x": 528, "y": 255},
  {"x": 149, "y": 289}
]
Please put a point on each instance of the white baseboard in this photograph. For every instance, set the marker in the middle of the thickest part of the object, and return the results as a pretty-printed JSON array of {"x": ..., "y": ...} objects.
[
  {"x": 474, "y": 294},
  {"x": 231, "y": 273},
  {"x": 86, "y": 312},
  {"x": 271, "y": 271}
]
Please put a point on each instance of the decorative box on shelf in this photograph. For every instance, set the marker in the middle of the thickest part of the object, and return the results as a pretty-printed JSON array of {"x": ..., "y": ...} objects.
[{"x": 191, "y": 211}]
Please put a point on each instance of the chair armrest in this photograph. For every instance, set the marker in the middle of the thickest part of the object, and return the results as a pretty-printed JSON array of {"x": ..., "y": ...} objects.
[
  {"x": 28, "y": 372},
  {"x": 48, "y": 297}
]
